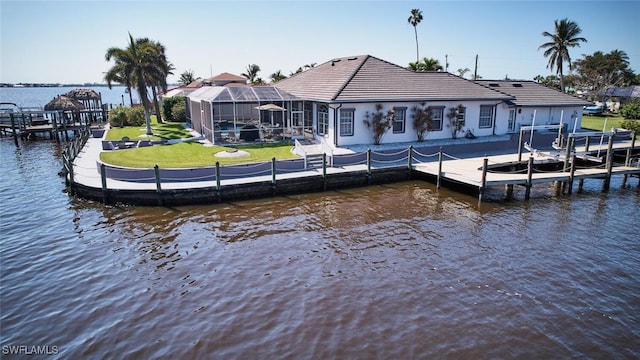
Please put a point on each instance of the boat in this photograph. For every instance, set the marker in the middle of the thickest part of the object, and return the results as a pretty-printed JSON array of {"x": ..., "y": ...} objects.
[{"x": 592, "y": 110}]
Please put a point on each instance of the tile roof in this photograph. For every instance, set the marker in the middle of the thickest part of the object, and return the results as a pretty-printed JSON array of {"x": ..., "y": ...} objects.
[
  {"x": 367, "y": 78},
  {"x": 530, "y": 93}
]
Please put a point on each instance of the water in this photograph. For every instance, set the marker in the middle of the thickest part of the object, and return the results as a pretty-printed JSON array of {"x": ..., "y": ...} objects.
[
  {"x": 398, "y": 271},
  {"x": 40, "y": 96}
]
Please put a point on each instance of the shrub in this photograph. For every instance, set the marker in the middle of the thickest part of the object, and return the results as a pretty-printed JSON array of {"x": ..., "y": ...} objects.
[
  {"x": 179, "y": 112},
  {"x": 455, "y": 122},
  {"x": 631, "y": 110},
  {"x": 168, "y": 105},
  {"x": 126, "y": 116},
  {"x": 633, "y": 125},
  {"x": 422, "y": 120},
  {"x": 379, "y": 123}
]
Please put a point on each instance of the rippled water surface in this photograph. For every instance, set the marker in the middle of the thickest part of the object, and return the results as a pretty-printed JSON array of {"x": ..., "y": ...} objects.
[{"x": 398, "y": 272}]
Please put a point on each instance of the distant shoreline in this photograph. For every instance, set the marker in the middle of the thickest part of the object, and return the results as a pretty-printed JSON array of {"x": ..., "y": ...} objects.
[
  {"x": 32, "y": 85},
  {"x": 19, "y": 85}
]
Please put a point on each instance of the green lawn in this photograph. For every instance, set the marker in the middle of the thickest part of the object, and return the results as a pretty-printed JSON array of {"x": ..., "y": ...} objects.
[
  {"x": 184, "y": 154},
  {"x": 164, "y": 131},
  {"x": 596, "y": 123}
]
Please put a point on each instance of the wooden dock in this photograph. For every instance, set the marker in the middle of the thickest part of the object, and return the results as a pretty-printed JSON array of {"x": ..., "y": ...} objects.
[{"x": 476, "y": 172}]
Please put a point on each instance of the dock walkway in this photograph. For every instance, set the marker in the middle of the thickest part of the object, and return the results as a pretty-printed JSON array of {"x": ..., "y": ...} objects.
[{"x": 88, "y": 180}]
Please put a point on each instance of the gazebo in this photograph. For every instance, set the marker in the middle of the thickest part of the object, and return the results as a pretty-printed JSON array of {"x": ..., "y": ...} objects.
[
  {"x": 64, "y": 103},
  {"x": 88, "y": 97}
]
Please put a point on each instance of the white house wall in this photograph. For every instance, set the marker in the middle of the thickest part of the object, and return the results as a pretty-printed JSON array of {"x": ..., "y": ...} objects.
[
  {"x": 362, "y": 134},
  {"x": 549, "y": 116}
]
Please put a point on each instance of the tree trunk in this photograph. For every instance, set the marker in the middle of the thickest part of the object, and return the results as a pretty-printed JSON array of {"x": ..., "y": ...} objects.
[{"x": 156, "y": 105}]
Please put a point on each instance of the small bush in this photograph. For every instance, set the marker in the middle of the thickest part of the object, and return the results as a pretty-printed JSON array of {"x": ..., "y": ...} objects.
[
  {"x": 633, "y": 125},
  {"x": 631, "y": 110},
  {"x": 126, "y": 116},
  {"x": 168, "y": 105},
  {"x": 179, "y": 112}
]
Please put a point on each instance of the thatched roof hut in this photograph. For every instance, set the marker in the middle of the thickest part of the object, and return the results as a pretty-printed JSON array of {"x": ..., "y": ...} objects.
[
  {"x": 83, "y": 94},
  {"x": 88, "y": 97},
  {"x": 64, "y": 103}
]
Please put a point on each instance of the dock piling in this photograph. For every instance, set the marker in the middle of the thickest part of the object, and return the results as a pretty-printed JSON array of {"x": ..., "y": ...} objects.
[
  {"x": 483, "y": 182},
  {"x": 438, "y": 179},
  {"x": 527, "y": 193}
]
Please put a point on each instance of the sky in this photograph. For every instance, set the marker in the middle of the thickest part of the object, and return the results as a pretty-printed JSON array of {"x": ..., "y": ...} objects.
[{"x": 56, "y": 41}]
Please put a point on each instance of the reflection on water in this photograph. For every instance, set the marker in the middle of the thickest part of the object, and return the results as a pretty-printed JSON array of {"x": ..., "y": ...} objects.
[{"x": 394, "y": 271}]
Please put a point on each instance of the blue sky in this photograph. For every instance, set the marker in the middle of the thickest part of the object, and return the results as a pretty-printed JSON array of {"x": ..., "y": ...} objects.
[{"x": 65, "y": 41}]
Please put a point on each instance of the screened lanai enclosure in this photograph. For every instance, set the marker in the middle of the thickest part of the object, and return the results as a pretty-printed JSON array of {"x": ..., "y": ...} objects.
[{"x": 243, "y": 114}]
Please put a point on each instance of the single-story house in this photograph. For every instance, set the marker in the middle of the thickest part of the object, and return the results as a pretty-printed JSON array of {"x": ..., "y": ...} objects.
[
  {"x": 532, "y": 100},
  {"x": 330, "y": 102}
]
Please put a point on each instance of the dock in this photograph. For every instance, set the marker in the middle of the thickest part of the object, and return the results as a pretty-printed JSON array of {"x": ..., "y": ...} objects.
[
  {"x": 87, "y": 177},
  {"x": 476, "y": 172}
]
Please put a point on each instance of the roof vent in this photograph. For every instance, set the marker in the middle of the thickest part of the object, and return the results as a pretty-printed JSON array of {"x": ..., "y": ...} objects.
[
  {"x": 333, "y": 62},
  {"x": 494, "y": 84},
  {"x": 353, "y": 58},
  {"x": 517, "y": 85}
]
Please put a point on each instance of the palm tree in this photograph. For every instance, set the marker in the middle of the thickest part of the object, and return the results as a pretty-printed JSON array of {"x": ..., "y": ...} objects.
[
  {"x": 144, "y": 64},
  {"x": 462, "y": 72},
  {"x": 427, "y": 64},
  {"x": 117, "y": 75},
  {"x": 252, "y": 73},
  {"x": 414, "y": 20},
  {"x": 277, "y": 76},
  {"x": 557, "y": 50},
  {"x": 187, "y": 77}
]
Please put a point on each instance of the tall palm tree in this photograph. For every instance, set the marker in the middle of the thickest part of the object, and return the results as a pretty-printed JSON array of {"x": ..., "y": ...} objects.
[
  {"x": 144, "y": 64},
  {"x": 252, "y": 73},
  {"x": 117, "y": 75},
  {"x": 277, "y": 76},
  {"x": 557, "y": 49},
  {"x": 187, "y": 77},
  {"x": 414, "y": 20},
  {"x": 427, "y": 64}
]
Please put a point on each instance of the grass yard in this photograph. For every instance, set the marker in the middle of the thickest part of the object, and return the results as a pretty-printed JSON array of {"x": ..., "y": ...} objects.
[
  {"x": 184, "y": 154},
  {"x": 596, "y": 123},
  {"x": 164, "y": 131}
]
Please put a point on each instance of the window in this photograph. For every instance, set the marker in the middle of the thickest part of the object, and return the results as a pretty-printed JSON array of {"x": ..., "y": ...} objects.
[
  {"x": 461, "y": 115},
  {"x": 346, "y": 122},
  {"x": 323, "y": 119},
  {"x": 486, "y": 116},
  {"x": 436, "y": 122},
  {"x": 399, "y": 119}
]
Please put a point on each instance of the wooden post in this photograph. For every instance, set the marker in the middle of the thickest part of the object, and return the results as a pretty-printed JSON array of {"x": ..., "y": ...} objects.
[
  {"x": 439, "y": 178},
  {"x": 483, "y": 183},
  {"x": 520, "y": 146},
  {"x": 156, "y": 171},
  {"x": 627, "y": 162},
  {"x": 218, "y": 177},
  {"x": 508, "y": 192},
  {"x": 71, "y": 180},
  {"x": 586, "y": 143},
  {"x": 567, "y": 154},
  {"x": 218, "y": 188},
  {"x": 607, "y": 180},
  {"x": 529, "y": 176},
  {"x": 273, "y": 175},
  {"x": 410, "y": 157},
  {"x": 103, "y": 177},
  {"x": 572, "y": 173},
  {"x": 324, "y": 171},
  {"x": 368, "y": 166},
  {"x": 13, "y": 130}
]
